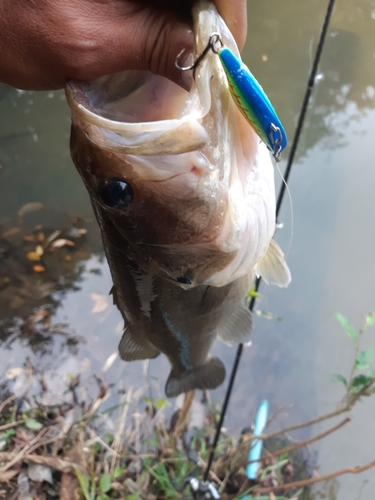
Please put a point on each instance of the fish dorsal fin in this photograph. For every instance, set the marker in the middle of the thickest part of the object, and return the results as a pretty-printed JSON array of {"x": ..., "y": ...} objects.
[
  {"x": 132, "y": 348},
  {"x": 208, "y": 376},
  {"x": 273, "y": 268},
  {"x": 237, "y": 328}
]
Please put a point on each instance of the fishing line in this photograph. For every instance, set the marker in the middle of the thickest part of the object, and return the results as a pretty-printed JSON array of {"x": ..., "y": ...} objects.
[
  {"x": 301, "y": 119},
  {"x": 291, "y": 210}
]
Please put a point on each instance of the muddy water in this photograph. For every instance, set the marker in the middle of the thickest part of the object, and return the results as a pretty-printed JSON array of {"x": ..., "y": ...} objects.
[{"x": 331, "y": 252}]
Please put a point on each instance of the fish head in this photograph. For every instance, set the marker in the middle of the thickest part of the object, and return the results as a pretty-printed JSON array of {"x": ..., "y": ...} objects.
[{"x": 177, "y": 178}]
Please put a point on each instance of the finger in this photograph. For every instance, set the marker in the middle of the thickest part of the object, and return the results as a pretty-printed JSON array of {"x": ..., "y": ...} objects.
[
  {"x": 147, "y": 39},
  {"x": 234, "y": 13}
]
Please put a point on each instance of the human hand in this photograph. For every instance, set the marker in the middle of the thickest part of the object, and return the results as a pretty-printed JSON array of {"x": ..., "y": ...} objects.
[{"x": 44, "y": 43}]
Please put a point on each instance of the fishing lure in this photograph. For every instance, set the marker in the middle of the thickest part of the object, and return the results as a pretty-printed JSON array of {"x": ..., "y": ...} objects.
[
  {"x": 247, "y": 94},
  {"x": 257, "y": 445}
]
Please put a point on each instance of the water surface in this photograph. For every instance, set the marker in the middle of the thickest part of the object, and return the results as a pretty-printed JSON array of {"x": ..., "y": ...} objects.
[{"x": 331, "y": 252}]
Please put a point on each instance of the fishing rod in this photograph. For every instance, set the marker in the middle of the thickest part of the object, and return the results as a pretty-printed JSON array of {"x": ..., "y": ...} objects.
[{"x": 301, "y": 119}]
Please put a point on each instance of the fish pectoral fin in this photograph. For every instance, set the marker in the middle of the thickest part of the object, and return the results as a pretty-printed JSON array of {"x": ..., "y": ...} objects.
[
  {"x": 132, "y": 348},
  {"x": 273, "y": 268},
  {"x": 214, "y": 297},
  {"x": 208, "y": 376},
  {"x": 237, "y": 328}
]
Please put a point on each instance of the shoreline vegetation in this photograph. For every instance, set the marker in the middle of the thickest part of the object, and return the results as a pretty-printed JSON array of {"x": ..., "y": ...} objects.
[
  {"x": 77, "y": 451},
  {"x": 138, "y": 449}
]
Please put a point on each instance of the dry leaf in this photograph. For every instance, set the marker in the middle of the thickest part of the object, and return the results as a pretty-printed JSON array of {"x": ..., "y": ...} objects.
[
  {"x": 30, "y": 207},
  {"x": 41, "y": 237},
  {"x": 29, "y": 237},
  {"x": 101, "y": 303},
  {"x": 61, "y": 243},
  {"x": 111, "y": 359},
  {"x": 38, "y": 269},
  {"x": 33, "y": 256},
  {"x": 38, "y": 227},
  {"x": 39, "y": 250},
  {"x": 51, "y": 237},
  {"x": 82, "y": 230},
  {"x": 68, "y": 257},
  {"x": 40, "y": 473},
  {"x": 39, "y": 315},
  {"x": 14, "y": 372}
]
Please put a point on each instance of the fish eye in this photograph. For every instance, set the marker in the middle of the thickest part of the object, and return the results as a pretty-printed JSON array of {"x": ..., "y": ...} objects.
[{"x": 116, "y": 193}]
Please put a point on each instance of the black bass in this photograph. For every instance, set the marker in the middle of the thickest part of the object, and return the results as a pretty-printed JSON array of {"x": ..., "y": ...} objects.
[{"x": 183, "y": 191}]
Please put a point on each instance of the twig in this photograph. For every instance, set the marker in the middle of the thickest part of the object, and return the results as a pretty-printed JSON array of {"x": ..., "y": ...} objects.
[
  {"x": 23, "y": 452},
  {"x": 116, "y": 446},
  {"x": 315, "y": 421},
  {"x": 184, "y": 413},
  {"x": 306, "y": 482},
  {"x": 54, "y": 462},
  {"x": 312, "y": 440},
  {"x": 11, "y": 424}
]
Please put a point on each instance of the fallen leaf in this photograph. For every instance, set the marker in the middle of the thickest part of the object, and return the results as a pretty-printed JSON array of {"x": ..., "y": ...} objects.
[
  {"x": 40, "y": 473},
  {"x": 38, "y": 269},
  {"x": 264, "y": 57},
  {"x": 68, "y": 257},
  {"x": 82, "y": 230},
  {"x": 29, "y": 237},
  {"x": 33, "y": 256},
  {"x": 51, "y": 237},
  {"x": 39, "y": 250},
  {"x": 14, "y": 372},
  {"x": 12, "y": 231},
  {"x": 41, "y": 237},
  {"x": 30, "y": 207},
  {"x": 38, "y": 227},
  {"x": 33, "y": 424},
  {"x": 101, "y": 303},
  {"x": 61, "y": 243},
  {"x": 110, "y": 360},
  {"x": 40, "y": 315}
]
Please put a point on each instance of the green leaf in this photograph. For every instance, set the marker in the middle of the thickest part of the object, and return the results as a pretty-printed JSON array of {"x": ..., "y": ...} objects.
[
  {"x": 83, "y": 483},
  {"x": 102, "y": 497},
  {"x": 147, "y": 399},
  {"x": 364, "y": 359},
  {"x": 361, "y": 381},
  {"x": 160, "y": 403},
  {"x": 108, "y": 438},
  {"x": 132, "y": 496},
  {"x": 336, "y": 377},
  {"x": 370, "y": 320},
  {"x": 118, "y": 471},
  {"x": 349, "y": 329},
  {"x": 105, "y": 483},
  {"x": 33, "y": 424}
]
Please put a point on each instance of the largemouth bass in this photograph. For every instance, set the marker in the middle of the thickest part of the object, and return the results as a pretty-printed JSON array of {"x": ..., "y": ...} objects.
[{"x": 183, "y": 192}]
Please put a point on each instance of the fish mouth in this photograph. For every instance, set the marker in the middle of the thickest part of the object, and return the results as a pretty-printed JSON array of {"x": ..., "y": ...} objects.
[{"x": 203, "y": 204}]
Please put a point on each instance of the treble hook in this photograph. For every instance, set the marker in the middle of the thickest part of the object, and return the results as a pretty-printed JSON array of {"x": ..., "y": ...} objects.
[{"x": 212, "y": 44}]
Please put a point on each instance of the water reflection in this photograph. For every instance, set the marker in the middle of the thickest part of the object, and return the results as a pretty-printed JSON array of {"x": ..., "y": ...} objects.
[
  {"x": 284, "y": 54},
  {"x": 39, "y": 265}
]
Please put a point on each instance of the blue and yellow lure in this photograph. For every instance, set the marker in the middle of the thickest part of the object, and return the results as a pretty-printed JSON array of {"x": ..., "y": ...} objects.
[{"x": 248, "y": 96}]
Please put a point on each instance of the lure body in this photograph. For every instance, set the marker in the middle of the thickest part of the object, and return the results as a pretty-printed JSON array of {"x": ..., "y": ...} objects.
[
  {"x": 257, "y": 445},
  {"x": 252, "y": 102}
]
